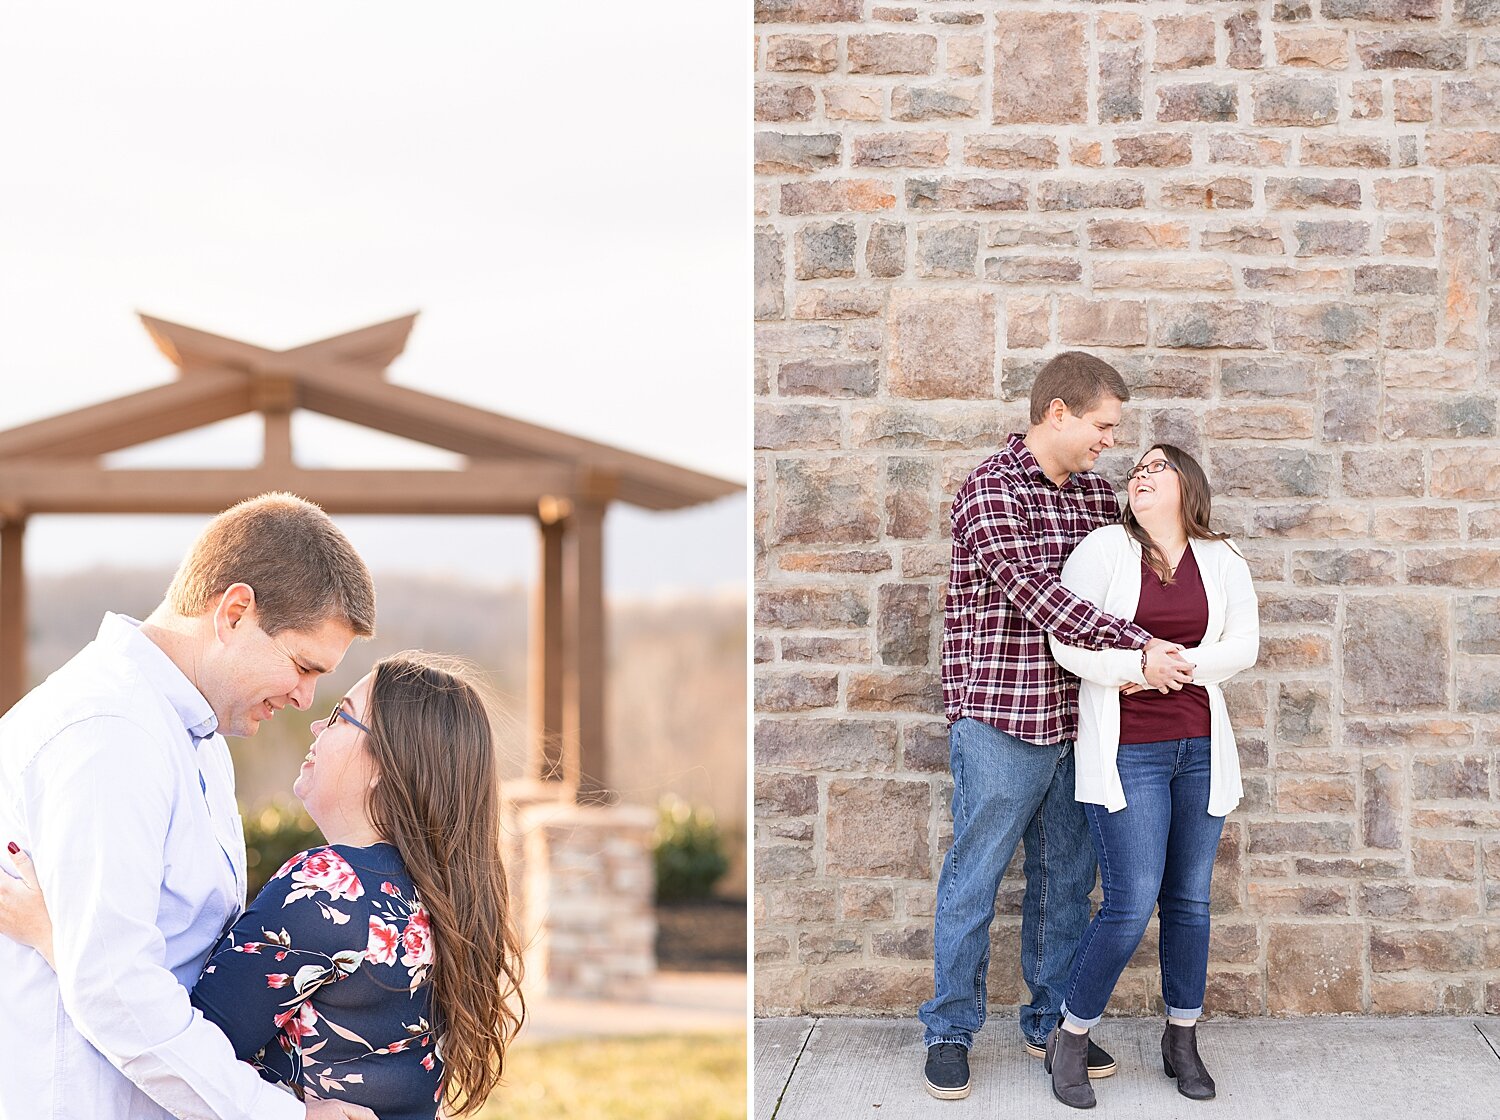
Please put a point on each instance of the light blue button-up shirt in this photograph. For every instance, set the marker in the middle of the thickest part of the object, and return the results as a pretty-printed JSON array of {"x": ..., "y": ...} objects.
[{"x": 114, "y": 777}]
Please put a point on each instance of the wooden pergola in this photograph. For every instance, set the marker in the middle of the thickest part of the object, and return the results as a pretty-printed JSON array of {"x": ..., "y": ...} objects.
[{"x": 513, "y": 468}]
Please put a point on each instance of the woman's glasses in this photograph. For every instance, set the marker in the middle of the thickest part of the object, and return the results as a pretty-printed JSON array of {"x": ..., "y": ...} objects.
[
  {"x": 1154, "y": 467},
  {"x": 338, "y": 713}
]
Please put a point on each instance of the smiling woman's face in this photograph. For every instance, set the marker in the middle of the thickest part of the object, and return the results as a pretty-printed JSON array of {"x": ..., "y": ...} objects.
[
  {"x": 1160, "y": 491},
  {"x": 335, "y": 781}
]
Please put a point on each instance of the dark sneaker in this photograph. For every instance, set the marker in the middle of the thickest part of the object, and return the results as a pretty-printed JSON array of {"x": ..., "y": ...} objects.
[
  {"x": 1100, "y": 1063},
  {"x": 947, "y": 1071}
]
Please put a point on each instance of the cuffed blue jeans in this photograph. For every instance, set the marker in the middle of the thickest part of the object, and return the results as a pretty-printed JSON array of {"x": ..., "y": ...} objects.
[
  {"x": 1156, "y": 853},
  {"x": 1007, "y": 791}
]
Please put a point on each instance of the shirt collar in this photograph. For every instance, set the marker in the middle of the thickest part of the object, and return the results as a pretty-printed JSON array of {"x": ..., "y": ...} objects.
[
  {"x": 123, "y": 633},
  {"x": 1015, "y": 443}
]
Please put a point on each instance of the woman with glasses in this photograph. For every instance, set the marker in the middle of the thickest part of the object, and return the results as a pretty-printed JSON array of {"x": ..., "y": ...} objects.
[
  {"x": 380, "y": 969},
  {"x": 1156, "y": 769}
]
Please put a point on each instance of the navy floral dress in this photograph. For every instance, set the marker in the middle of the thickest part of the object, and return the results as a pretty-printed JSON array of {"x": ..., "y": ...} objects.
[{"x": 319, "y": 984}]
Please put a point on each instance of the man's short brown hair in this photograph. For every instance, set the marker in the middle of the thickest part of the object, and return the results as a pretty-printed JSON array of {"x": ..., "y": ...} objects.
[
  {"x": 302, "y": 567},
  {"x": 1077, "y": 379}
]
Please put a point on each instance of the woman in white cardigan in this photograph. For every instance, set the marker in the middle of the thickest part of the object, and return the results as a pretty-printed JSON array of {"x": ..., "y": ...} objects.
[{"x": 1157, "y": 770}]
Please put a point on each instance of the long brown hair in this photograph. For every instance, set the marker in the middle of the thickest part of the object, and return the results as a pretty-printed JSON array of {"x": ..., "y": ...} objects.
[
  {"x": 438, "y": 802},
  {"x": 1197, "y": 505}
]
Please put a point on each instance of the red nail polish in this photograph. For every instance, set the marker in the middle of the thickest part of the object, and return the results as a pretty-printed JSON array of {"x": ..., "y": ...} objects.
[{"x": 13, "y": 847}]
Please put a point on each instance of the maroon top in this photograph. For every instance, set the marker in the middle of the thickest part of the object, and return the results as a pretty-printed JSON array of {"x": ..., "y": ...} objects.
[
  {"x": 1176, "y": 613},
  {"x": 1012, "y": 530}
]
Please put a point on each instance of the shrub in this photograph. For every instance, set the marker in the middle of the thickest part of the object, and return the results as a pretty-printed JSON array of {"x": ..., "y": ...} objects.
[
  {"x": 273, "y": 834},
  {"x": 688, "y": 851}
]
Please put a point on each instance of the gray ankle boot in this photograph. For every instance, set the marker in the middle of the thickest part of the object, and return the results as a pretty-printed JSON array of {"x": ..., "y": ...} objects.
[
  {"x": 1068, "y": 1063},
  {"x": 1179, "y": 1059}
]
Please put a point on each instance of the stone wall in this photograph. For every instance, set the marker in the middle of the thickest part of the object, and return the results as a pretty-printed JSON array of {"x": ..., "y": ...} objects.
[{"x": 1278, "y": 221}]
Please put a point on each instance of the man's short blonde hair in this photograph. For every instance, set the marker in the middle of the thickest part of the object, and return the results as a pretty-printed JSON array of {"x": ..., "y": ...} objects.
[{"x": 303, "y": 569}]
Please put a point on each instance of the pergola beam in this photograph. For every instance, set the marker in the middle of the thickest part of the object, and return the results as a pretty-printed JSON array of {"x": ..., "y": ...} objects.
[
  {"x": 129, "y": 420},
  {"x": 484, "y": 488}
]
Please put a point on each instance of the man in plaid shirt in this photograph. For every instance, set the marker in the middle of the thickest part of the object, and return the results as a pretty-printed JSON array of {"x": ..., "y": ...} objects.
[{"x": 1013, "y": 711}]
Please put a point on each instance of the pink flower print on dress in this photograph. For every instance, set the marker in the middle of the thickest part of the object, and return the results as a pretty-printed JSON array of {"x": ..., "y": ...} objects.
[
  {"x": 328, "y": 871},
  {"x": 417, "y": 940},
  {"x": 278, "y": 980},
  {"x": 298, "y": 1023},
  {"x": 384, "y": 938}
]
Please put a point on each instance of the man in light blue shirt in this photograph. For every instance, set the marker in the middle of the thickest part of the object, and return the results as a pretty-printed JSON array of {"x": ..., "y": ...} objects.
[{"x": 115, "y": 775}]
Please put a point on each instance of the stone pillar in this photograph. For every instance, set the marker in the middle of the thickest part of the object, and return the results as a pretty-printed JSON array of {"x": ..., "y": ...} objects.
[
  {"x": 586, "y": 899},
  {"x": 548, "y": 759},
  {"x": 12, "y": 612}
]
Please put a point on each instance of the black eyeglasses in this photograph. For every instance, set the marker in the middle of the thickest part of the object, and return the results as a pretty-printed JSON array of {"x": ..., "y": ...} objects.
[
  {"x": 338, "y": 713},
  {"x": 1154, "y": 467}
]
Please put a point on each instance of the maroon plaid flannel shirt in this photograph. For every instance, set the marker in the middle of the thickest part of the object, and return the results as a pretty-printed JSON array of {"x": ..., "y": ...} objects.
[{"x": 1012, "y": 530}]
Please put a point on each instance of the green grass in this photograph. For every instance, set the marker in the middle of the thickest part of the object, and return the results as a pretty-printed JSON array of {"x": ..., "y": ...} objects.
[{"x": 674, "y": 1077}]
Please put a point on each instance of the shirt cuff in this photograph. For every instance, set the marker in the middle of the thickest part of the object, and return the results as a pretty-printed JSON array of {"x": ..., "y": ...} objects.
[{"x": 1135, "y": 637}]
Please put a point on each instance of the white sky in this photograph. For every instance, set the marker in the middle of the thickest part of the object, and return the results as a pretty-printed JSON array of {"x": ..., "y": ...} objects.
[{"x": 559, "y": 191}]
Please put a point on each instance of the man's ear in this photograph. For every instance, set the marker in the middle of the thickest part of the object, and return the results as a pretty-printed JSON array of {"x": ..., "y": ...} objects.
[
  {"x": 236, "y": 605},
  {"x": 1056, "y": 410}
]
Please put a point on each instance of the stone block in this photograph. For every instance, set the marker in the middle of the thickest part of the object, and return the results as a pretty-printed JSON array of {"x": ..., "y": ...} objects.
[
  {"x": 808, "y": 11},
  {"x": 1408, "y": 239},
  {"x": 1032, "y": 270},
  {"x": 1228, "y": 324},
  {"x": 1289, "y": 378},
  {"x": 785, "y": 795},
  {"x": 796, "y": 427},
  {"x": 1447, "y": 417},
  {"x": 1197, "y": 101},
  {"x": 948, "y": 250},
  {"x": 1314, "y": 968},
  {"x": 904, "y": 623},
  {"x": 826, "y": 501},
  {"x": 827, "y": 378},
  {"x": 934, "y": 103},
  {"x": 966, "y": 54},
  {"x": 1406, "y": 50},
  {"x": 1332, "y": 238},
  {"x": 1384, "y": 802},
  {"x": 1258, "y": 238},
  {"x": 942, "y": 344},
  {"x": 1030, "y": 232},
  {"x": 1183, "y": 42},
  {"x": 1459, "y": 949},
  {"x": 1028, "y": 322},
  {"x": 811, "y": 608},
  {"x": 1119, "y": 233},
  {"x": 1225, "y": 192},
  {"x": 1120, "y": 85},
  {"x": 785, "y": 153},
  {"x": 826, "y": 651},
  {"x": 1345, "y": 151},
  {"x": 1041, "y": 68},
  {"x": 770, "y": 273},
  {"x": 901, "y": 149},
  {"x": 825, "y": 250},
  {"x": 965, "y": 194},
  {"x": 1322, "y": 328},
  {"x": 1263, "y": 473},
  {"x": 1190, "y": 275},
  {"x": 1083, "y": 322},
  {"x": 924, "y": 747},
  {"x": 1434, "y": 858},
  {"x": 836, "y": 304},
  {"x": 835, "y": 196},
  {"x": 1107, "y": 194},
  {"x": 1302, "y": 192},
  {"x": 1264, "y": 421},
  {"x": 1160, "y": 149},
  {"x": 892, "y": 53},
  {"x": 1417, "y": 523},
  {"x": 1382, "y": 11},
  {"x": 1406, "y": 328},
  {"x": 868, "y": 991},
  {"x": 1478, "y": 618},
  {"x": 1243, "y": 29},
  {"x": 784, "y": 101},
  {"x": 927, "y": 429},
  {"x": 1010, "y": 153},
  {"x": 1314, "y": 900},
  {"x": 1468, "y": 472},
  {"x": 825, "y": 744},
  {"x": 1306, "y": 102},
  {"x": 895, "y": 692},
  {"x": 1304, "y": 717},
  {"x": 810, "y": 54},
  {"x": 885, "y": 249},
  {"x": 877, "y": 828},
  {"x": 1247, "y": 149},
  {"x": 1322, "y": 50},
  {"x": 1396, "y": 655},
  {"x": 1395, "y": 279},
  {"x": 1410, "y": 192},
  {"x": 853, "y": 103},
  {"x": 1366, "y": 100}
]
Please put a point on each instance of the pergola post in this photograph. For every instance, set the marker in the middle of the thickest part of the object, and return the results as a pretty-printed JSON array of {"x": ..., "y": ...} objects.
[
  {"x": 548, "y": 760},
  {"x": 583, "y": 608},
  {"x": 12, "y": 611}
]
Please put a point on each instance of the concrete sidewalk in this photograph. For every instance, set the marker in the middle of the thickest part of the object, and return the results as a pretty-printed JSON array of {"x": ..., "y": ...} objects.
[
  {"x": 679, "y": 1003},
  {"x": 1307, "y": 1069}
]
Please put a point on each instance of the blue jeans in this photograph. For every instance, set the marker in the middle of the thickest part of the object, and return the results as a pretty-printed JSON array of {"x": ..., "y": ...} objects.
[
  {"x": 1007, "y": 791},
  {"x": 1157, "y": 852}
]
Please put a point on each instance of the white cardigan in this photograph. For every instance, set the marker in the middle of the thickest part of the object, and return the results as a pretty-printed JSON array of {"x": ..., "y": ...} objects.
[{"x": 1105, "y": 569}]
